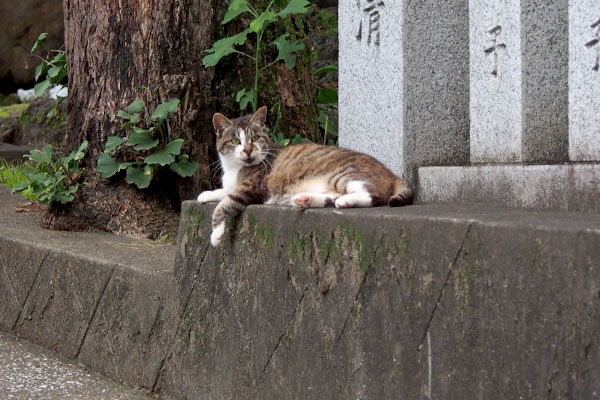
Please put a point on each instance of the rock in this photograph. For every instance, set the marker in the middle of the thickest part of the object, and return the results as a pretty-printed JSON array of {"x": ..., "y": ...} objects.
[
  {"x": 33, "y": 127},
  {"x": 28, "y": 18}
]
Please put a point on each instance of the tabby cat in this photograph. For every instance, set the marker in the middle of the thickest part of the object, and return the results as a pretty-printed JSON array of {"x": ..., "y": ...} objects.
[{"x": 256, "y": 171}]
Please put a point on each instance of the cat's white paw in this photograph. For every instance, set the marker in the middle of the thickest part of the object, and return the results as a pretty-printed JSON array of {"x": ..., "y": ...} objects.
[
  {"x": 356, "y": 199},
  {"x": 216, "y": 237},
  {"x": 211, "y": 195}
]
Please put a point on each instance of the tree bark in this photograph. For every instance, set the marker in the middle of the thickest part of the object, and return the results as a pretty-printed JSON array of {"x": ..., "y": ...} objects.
[{"x": 114, "y": 47}]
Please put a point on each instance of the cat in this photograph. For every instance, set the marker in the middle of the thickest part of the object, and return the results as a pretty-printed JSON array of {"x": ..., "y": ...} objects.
[{"x": 256, "y": 171}]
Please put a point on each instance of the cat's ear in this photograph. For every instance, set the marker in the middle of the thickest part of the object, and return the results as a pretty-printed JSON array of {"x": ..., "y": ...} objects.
[
  {"x": 220, "y": 122},
  {"x": 260, "y": 116}
]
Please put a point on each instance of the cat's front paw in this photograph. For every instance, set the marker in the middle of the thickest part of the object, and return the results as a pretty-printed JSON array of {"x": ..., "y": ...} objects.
[
  {"x": 211, "y": 195},
  {"x": 302, "y": 200},
  {"x": 217, "y": 235}
]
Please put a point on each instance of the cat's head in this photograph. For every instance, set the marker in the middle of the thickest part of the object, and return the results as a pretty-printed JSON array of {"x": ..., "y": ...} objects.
[{"x": 242, "y": 141}]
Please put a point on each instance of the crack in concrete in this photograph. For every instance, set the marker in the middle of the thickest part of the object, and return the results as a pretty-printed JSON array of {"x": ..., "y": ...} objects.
[
  {"x": 283, "y": 333},
  {"x": 169, "y": 352},
  {"x": 362, "y": 284},
  {"x": 439, "y": 298},
  {"x": 37, "y": 273},
  {"x": 89, "y": 325}
]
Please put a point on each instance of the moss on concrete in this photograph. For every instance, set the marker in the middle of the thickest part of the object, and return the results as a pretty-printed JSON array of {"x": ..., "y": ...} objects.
[
  {"x": 14, "y": 110},
  {"x": 196, "y": 218}
]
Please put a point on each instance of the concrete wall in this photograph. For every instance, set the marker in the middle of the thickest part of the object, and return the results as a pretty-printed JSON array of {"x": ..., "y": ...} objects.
[{"x": 421, "y": 302}]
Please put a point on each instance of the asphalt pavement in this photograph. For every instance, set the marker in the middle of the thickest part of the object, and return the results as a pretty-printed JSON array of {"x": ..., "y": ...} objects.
[{"x": 29, "y": 372}]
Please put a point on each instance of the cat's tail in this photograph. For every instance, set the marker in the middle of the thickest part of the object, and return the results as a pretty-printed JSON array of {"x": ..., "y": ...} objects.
[{"x": 403, "y": 194}]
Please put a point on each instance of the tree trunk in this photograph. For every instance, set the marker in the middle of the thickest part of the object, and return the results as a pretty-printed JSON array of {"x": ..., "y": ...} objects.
[{"x": 114, "y": 48}]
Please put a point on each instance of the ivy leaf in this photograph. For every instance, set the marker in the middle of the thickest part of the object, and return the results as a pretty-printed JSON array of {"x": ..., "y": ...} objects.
[
  {"x": 295, "y": 7},
  {"x": 39, "y": 41},
  {"x": 236, "y": 8},
  {"x": 41, "y": 88},
  {"x": 44, "y": 155},
  {"x": 140, "y": 177},
  {"x": 135, "y": 107},
  {"x": 286, "y": 49},
  {"x": 164, "y": 109},
  {"x": 107, "y": 166},
  {"x": 140, "y": 140},
  {"x": 112, "y": 143},
  {"x": 183, "y": 167},
  {"x": 166, "y": 155},
  {"x": 263, "y": 20},
  {"x": 174, "y": 147},
  {"x": 244, "y": 97},
  {"x": 224, "y": 47}
]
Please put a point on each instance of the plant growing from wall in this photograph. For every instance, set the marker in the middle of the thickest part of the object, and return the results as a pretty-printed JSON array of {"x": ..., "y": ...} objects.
[
  {"x": 45, "y": 179},
  {"x": 54, "y": 69},
  {"x": 257, "y": 27},
  {"x": 146, "y": 148},
  {"x": 327, "y": 103}
]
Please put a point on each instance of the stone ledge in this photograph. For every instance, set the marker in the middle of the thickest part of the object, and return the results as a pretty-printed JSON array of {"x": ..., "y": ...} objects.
[
  {"x": 436, "y": 301},
  {"x": 452, "y": 301},
  {"x": 573, "y": 187}
]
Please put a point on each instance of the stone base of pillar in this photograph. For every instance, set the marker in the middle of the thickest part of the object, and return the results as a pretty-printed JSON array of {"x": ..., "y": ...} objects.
[{"x": 572, "y": 187}]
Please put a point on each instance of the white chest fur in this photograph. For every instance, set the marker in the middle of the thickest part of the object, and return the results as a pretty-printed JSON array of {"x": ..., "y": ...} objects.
[{"x": 231, "y": 167}]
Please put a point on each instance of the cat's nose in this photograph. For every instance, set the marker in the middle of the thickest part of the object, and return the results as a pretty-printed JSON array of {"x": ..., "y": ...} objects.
[{"x": 248, "y": 151}]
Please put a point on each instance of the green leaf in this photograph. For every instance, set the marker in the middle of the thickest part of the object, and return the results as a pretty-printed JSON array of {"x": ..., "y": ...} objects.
[
  {"x": 41, "y": 88},
  {"x": 64, "y": 197},
  {"x": 236, "y": 8},
  {"x": 141, "y": 178},
  {"x": 112, "y": 143},
  {"x": 140, "y": 140},
  {"x": 183, "y": 167},
  {"x": 39, "y": 41},
  {"x": 39, "y": 70},
  {"x": 123, "y": 114},
  {"x": 135, "y": 107},
  {"x": 299, "y": 139},
  {"x": 244, "y": 97},
  {"x": 54, "y": 71},
  {"x": 295, "y": 7},
  {"x": 224, "y": 47},
  {"x": 107, "y": 166},
  {"x": 327, "y": 96},
  {"x": 262, "y": 21},
  {"x": 286, "y": 49},
  {"x": 60, "y": 59},
  {"x": 326, "y": 69},
  {"x": 174, "y": 147},
  {"x": 75, "y": 156},
  {"x": 166, "y": 155},
  {"x": 41, "y": 156},
  {"x": 164, "y": 109}
]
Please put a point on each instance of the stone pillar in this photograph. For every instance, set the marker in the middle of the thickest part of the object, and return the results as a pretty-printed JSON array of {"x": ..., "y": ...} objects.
[
  {"x": 403, "y": 82},
  {"x": 584, "y": 80},
  {"x": 519, "y": 80}
]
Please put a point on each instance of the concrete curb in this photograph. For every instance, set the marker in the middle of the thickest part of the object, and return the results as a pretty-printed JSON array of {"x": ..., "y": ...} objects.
[{"x": 430, "y": 301}]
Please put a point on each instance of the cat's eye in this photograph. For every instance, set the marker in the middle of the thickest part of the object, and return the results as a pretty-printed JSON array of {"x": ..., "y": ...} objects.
[
  {"x": 235, "y": 141},
  {"x": 255, "y": 138}
]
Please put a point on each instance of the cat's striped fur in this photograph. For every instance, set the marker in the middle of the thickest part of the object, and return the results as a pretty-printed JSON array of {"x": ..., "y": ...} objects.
[{"x": 256, "y": 171}]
